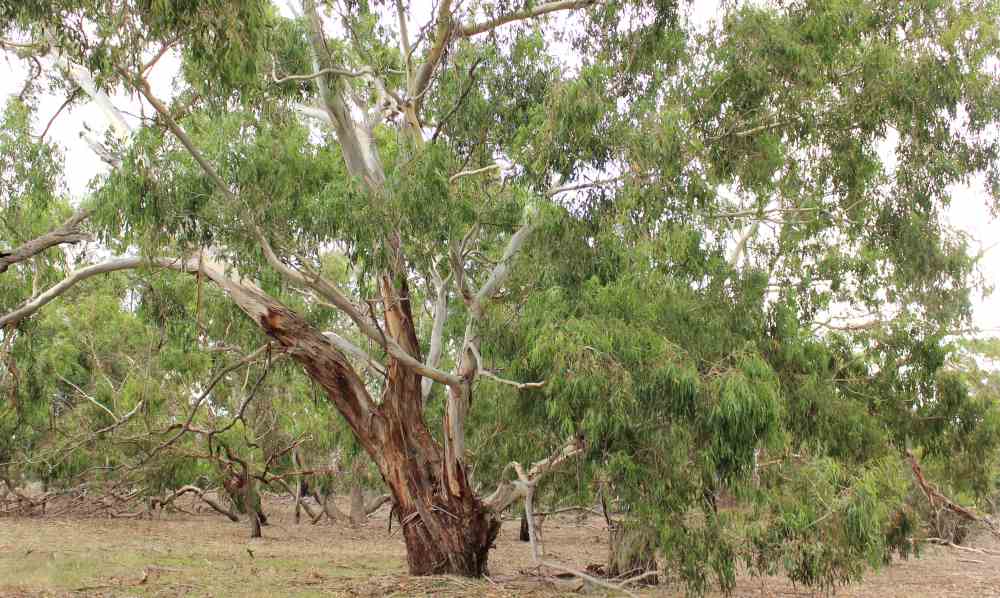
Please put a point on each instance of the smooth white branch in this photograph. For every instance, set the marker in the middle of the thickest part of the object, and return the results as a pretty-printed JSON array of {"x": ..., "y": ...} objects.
[
  {"x": 319, "y": 73},
  {"x": 349, "y": 348},
  {"x": 313, "y": 112},
  {"x": 437, "y": 330},
  {"x": 502, "y": 270},
  {"x": 578, "y": 186},
  {"x": 32, "y": 305},
  {"x": 518, "y": 385},
  {"x": 469, "y": 363},
  {"x": 509, "y": 491},
  {"x": 404, "y": 42},
  {"x": 465, "y": 173}
]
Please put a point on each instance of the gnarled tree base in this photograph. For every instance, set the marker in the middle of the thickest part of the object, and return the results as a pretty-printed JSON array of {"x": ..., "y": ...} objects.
[{"x": 447, "y": 543}]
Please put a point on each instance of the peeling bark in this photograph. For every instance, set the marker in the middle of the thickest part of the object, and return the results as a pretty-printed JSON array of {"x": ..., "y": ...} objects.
[{"x": 446, "y": 526}]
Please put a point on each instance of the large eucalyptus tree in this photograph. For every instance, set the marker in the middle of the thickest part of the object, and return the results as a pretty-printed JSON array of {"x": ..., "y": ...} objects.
[
  {"x": 227, "y": 48},
  {"x": 433, "y": 148}
]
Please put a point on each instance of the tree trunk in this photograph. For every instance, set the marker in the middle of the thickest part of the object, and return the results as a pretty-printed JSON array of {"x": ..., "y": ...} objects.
[
  {"x": 358, "y": 515},
  {"x": 299, "y": 483},
  {"x": 254, "y": 518},
  {"x": 632, "y": 552},
  {"x": 446, "y": 527},
  {"x": 444, "y": 534},
  {"x": 329, "y": 506},
  {"x": 243, "y": 493}
]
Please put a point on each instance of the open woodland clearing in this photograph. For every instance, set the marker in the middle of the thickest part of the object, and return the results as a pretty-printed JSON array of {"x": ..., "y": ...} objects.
[{"x": 204, "y": 555}]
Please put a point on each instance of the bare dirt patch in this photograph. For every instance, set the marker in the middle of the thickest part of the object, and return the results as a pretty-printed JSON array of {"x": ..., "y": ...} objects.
[{"x": 206, "y": 555}]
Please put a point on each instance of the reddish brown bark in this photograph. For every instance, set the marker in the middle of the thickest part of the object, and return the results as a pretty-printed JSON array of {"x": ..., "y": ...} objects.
[
  {"x": 444, "y": 532},
  {"x": 446, "y": 527},
  {"x": 934, "y": 496}
]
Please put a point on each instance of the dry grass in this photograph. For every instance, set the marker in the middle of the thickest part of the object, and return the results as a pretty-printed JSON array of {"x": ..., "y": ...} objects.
[{"x": 205, "y": 555}]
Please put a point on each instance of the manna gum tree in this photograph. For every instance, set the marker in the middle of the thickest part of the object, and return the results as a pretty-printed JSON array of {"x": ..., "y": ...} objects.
[
  {"x": 404, "y": 177},
  {"x": 448, "y": 526}
]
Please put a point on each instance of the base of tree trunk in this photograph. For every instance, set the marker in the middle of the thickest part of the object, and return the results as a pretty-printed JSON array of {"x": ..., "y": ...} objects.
[
  {"x": 457, "y": 546},
  {"x": 632, "y": 552},
  {"x": 358, "y": 515},
  {"x": 329, "y": 505},
  {"x": 525, "y": 535},
  {"x": 254, "y": 524}
]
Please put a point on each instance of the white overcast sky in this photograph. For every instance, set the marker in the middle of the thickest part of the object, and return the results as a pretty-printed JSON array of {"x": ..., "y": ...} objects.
[{"x": 968, "y": 211}]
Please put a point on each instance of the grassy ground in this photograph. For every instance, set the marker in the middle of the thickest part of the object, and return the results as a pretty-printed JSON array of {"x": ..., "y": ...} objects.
[{"x": 205, "y": 555}]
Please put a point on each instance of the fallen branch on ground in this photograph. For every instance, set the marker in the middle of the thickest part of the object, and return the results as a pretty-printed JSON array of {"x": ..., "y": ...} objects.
[
  {"x": 157, "y": 502},
  {"x": 26, "y": 504},
  {"x": 569, "y": 510}
]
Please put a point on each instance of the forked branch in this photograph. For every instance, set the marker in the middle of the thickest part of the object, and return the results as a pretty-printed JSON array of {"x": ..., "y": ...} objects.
[
  {"x": 67, "y": 232},
  {"x": 328, "y": 291},
  {"x": 509, "y": 491},
  {"x": 935, "y": 497},
  {"x": 164, "y": 502},
  {"x": 32, "y": 305}
]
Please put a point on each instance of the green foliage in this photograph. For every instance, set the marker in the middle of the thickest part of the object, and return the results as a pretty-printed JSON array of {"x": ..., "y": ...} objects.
[{"x": 826, "y": 523}]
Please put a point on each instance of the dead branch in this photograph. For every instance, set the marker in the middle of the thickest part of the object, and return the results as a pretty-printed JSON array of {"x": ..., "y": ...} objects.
[
  {"x": 534, "y": 11},
  {"x": 569, "y": 510},
  {"x": 329, "y": 508},
  {"x": 640, "y": 577},
  {"x": 376, "y": 503},
  {"x": 313, "y": 516},
  {"x": 201, "y": 495},
  {"x": 509, "y": 491},
  {"x": 935, "y": 497},
  {"x": 26, "y": 505},
  {"x": 528, "y": 485}
]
